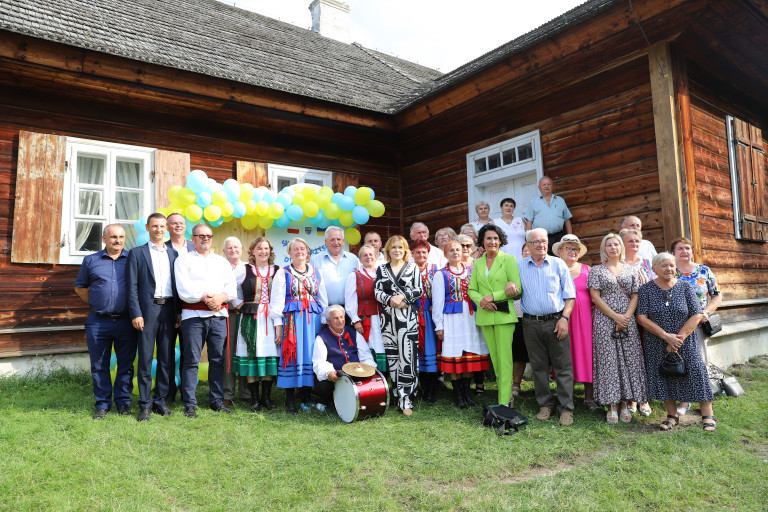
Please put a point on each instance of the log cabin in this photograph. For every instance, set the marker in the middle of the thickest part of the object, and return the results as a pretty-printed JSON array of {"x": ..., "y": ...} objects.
[{"x": 654, "y": 108}]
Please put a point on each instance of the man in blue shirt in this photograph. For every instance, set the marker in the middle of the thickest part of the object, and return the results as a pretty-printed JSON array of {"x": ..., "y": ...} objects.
[
  {"x": 335, "y": 264},
  {"x": 101, "y": 283},
  {"x": 547, "y": 301},
  {"x": 548, "y": 212}
]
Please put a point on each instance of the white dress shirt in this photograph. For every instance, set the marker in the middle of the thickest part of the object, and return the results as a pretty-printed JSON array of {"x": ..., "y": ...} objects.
[
  {"x": 161, "y": 267},
  {"x": 646, "y": 251},
  {"x": 198, "y": 275},
  {"x": 320, "y": 363}
]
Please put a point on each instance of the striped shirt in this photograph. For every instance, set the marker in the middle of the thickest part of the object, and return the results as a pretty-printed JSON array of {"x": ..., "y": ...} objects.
[{"x": 545, "y": 287}]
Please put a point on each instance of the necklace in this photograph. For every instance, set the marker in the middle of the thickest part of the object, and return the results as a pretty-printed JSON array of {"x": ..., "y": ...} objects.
[
  {"x": 575, "y": 265},
  {"x": 306, "y": 268}
]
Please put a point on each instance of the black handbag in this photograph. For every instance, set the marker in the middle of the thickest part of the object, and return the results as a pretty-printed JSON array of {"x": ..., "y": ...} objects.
[
  {"x": 505, "y": 420},
  {"x": 502, "y": 306},
  {"x": 730, "y": 385},
  {"x": 713, "y": 325},
  {"x": 673, "y": 365}
]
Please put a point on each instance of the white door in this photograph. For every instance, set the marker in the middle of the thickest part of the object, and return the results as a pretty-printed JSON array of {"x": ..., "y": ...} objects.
[{"x": 522, "y": 189}]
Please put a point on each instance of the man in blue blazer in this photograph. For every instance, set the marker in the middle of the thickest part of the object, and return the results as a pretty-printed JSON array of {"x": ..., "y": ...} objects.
[{"x": 154, "y": 310}]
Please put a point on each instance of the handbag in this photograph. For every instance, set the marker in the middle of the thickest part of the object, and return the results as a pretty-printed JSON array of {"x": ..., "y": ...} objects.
[
  {"x": 715, "y": 379},
  {"x": 505, "y": 420},
  {"x": 713, "y": 325},
  {"x": 673, "y": 365},
  {"x": 502, "y": 306},
  {"x": 730, "y": 384}
]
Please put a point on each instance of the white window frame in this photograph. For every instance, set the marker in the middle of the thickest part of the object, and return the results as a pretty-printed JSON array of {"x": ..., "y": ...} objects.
[
  {"x": 111, "y": 152},
  {"x": 477, "y": 181},
  {"x": 300, "y": 174}
]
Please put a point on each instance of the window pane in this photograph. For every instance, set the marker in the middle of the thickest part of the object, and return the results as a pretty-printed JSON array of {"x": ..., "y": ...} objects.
[
  {"x": 128, "y": 174},
  {"x": 88, "y": 236},
  {"x": 480, "y": 165},
  {"x": 525, "y": 152},
  {"x": 494, "y": 161},
  {"x": 128, "y": 205},
  {"x": 508, "y": 157},
  {"x": 319, "y": 183},
  {"x": 130, "y": 235},
  {"x": 89, "y": 202},
  {"x": 283, "y": 182},
  {"x": 90, "y": 170}
]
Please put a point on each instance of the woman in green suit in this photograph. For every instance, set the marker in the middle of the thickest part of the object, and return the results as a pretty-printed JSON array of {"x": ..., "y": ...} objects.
[{"x": 495, "y": 282}]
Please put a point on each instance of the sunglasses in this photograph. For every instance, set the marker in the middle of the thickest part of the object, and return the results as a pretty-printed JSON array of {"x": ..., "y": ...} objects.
[
  {"x": 203, "y": 237},
  {"x": 466, "y": 246}
]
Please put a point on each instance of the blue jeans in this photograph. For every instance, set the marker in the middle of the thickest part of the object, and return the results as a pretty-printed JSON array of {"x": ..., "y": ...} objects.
[
  {"x": 196, "y": 331},
  {"x": 101, "y": 333}
]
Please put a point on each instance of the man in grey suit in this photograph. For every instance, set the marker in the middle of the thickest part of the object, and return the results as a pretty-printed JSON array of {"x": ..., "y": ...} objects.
[{"x": 154, "y": 310}]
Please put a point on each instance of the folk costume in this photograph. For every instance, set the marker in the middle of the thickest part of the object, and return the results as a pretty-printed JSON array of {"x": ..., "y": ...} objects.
[
  {"x": 400, "y": 328},
  {"x": 331, "y": 352},
  {"x": 361, "y": 306},
  {"x": 298, "y": 300},
  {"x": 429, "y": 345}
]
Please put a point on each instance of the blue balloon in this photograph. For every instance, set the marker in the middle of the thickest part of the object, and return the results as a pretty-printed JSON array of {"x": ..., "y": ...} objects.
[
  {"x": 372, "y": 194},
  {"x": 284, "y": 199},
  {"x": 153, "y": 371},
  {"x": 360, "y": 214},
  {"x": 112, "y": 361},
  {"x": 232, "y": 189},
  {"x": 257, "y": 196},
  {"x": 178, "y": 380},
  {"x": 141, "y": 224},
  {"x": 346, "y": 203},
  {"x": 336, "y": 198},
  {"x": 283, "y": 221},
  {"x": 203, "y": 199},
  {"x": 177, "y": 354},
  {"x": 142, "y": 239},
  {"x": 197, "y": 181},
  {"x": 317, "y": 219},
  {"x": 239, "y": 210},
  {"x": 350, "y": 191},
  {"x": 294, "y": 212},
  {"x": 216, "y": 223},
  {"x": 268, "y": 196}
]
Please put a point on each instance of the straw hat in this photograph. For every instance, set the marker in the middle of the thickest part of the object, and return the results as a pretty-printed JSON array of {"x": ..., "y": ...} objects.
[{"x": 569, "y": 239}]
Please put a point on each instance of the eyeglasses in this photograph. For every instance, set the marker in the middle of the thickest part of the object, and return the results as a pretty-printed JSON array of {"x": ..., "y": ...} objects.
[
  {"x": 203, "y": 237},
  {"x": 539, "y": 242},
  {"x": 466, "y": 246},
  {"x": 443, "y": 236},
  {"x": 572, "y": 249}
]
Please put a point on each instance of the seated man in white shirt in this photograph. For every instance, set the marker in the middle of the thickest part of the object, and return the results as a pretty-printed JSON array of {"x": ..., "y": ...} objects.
[{"x": 335, "y": 346}]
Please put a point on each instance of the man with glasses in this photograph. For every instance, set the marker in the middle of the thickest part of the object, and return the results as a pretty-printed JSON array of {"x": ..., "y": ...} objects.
[
  {"x": 547, "y": 302},
  {"x": 205, "y": 283}
]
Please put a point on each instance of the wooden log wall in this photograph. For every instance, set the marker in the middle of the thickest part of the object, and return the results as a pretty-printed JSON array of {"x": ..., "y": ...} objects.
[
  {"x": 40, "y": 296},
  {"x": 598, "y": 145},
  {"x": 741, "y": 267}
]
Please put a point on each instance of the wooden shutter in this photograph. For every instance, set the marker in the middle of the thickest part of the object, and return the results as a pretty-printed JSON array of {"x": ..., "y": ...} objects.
[
  {"x": 753, "y": 194},
  {"x": 254, "y": 173},
  {"x": 39, "y": 192},
  {"x": 171, "y": 168}
]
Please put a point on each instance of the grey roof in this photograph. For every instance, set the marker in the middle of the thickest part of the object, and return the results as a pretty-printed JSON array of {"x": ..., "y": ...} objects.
[{"x": 211, "y": 38}]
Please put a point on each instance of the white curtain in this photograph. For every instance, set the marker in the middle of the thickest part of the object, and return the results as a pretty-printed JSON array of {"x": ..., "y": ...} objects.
[
  {"x": 128, "y": 203},
  {"x": 89, "y": 171}
]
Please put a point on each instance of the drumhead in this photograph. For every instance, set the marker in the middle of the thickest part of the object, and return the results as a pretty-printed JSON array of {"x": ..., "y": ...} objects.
[{"x": 345, "y": 399}]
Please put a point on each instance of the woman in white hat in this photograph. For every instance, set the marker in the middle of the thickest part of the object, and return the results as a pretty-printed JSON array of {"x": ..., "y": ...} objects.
[{"x": 570, "y": 249}]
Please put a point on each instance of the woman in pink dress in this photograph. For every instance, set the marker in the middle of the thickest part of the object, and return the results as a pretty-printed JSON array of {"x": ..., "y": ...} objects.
[{"x": 570, "y": 249}]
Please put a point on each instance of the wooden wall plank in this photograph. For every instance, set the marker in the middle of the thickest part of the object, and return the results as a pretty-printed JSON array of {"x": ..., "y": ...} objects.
[{"x": 171, "y": 168}]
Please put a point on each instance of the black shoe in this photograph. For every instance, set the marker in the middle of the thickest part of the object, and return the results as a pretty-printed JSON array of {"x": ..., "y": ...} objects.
[
  {"x": 466, "y": 383},
  {"x": 458, "y": 396},
  {"x": 161, "y": 410},
  {"x": 100, "y": 414},
  {"x": 266, "y": 392},
  {"x": 190, "y": 412},
  {"x": 291, "y": 407},
  {"x": 221, "y": 408},
  {"x": 253, "y": 387},
  {"x": 144, "y": 415},
  {"x": 124, "y": 410}
]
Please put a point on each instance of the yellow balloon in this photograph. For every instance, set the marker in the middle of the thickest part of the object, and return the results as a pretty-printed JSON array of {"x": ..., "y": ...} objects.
[
  {"x": 346, "y": 219},
  {"x": 266, "y": 222},
  {"x": 227, "y": 209},
  {"x": 219, "y": 198},
  {"x": 173, "y": 193},
  {"x": 261, "y": 208},
  {"x": 352, "y": 236},
  {"x": 332, "y": 211},
  {"x": 362, "y": 196},
  {"x": 135, "y": 386},
  {"x": 250, "y": 207},
  {"x": 193, "y": 212},
  {"x": 323, "y": 201},
  {"x": 246, "y": 192},
  {"x": 309, "y": 193},
  {"x": 164, "y": 211},
  {"x": 299, "y": 200},
  {"x": 212, "y": 213},
  {"x": 325, "y": 191},
  {"x": 249, "y": 222},
  {"x": 310, "y": 209},
  {"x": 202, "y": 371},
  {"x": 375, "y": 208},
  {"x": 186, "y": 197},
  {"x": 275, "y": 211},
  {"x": 227, "y": 218},
  {"x": 178, "y": 209}
]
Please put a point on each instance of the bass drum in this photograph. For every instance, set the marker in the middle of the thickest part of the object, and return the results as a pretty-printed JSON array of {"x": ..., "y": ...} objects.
[{"x": 358, "y": 398}]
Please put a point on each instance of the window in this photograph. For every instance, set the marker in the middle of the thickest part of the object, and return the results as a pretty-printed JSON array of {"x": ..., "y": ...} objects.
[
  {"x": 746, "y": 152},
  {"x": 281, "y": 176},
  {"x": 507, "y": 169},
  {"x": 104, "y": 184}
]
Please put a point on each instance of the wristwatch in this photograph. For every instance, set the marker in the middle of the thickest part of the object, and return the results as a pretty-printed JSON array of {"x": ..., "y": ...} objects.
[{"x": 567, "y": 319}]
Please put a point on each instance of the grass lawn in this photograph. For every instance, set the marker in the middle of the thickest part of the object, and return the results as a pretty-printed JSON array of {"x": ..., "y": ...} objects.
[{"x": 54, "y": 457}]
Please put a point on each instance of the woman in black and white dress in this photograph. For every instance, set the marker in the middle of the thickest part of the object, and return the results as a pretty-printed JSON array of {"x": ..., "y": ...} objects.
[{"x": 398, "y": 287}]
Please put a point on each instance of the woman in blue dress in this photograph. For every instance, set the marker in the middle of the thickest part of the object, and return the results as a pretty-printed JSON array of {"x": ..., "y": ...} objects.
[{"x": 428, "y": 343}]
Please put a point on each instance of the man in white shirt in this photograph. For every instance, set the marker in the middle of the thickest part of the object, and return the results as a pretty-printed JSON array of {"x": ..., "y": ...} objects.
[
  {"x": 335, "y": 264},
  {"x": 205, "y": 283},
  {"x": 420, "y": 231},
  {"x": 153, "y": 309},
  {"x": 335, "y": 346},
  {"x": 647, "y": 251},
  {"x": 373, "y": 239}
]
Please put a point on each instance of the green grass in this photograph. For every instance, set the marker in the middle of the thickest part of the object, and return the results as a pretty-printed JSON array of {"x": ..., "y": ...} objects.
[{"x": 54, "y": 457}]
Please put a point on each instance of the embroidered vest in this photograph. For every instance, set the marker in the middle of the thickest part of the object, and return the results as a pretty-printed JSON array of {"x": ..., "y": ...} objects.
[
  {"x": 297, "y": 296},
  {"x": 426, "y": 276},
  {"x": 367, "y": 305},
  {"x": 253, "y": 295},
  {"x": 340, "y": 350},
  {"x": 456, "y": 292}
]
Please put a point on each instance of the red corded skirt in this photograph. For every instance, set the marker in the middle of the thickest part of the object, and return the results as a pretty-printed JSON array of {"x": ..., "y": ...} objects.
[{"x": 468, "y": 362}]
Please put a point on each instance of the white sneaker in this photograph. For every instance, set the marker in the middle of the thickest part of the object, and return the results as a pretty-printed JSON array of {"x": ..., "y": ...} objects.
[{"x": 682, "y": 410}]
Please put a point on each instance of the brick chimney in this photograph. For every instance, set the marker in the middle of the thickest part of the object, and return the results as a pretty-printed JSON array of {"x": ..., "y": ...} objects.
[{"x": 330, "y": 18}]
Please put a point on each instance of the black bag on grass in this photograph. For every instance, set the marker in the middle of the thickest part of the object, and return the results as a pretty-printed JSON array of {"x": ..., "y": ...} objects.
[{"x": 505, "y": 420}]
